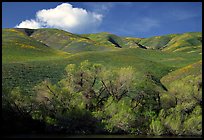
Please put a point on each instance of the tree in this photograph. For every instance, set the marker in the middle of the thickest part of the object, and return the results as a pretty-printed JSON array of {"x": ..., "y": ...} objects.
[{"x": 91, "y": 98}]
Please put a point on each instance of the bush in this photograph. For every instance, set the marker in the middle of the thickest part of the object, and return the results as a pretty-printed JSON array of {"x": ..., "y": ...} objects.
[
  {"x": 193, "y": 124},
  {"x": 156, "y": 127},
  {"x": 88, "y": 90},
  {"x": 167, "y": 101},
  {"x": 92, "y": 99},
  {"x": 118, "y": 116}
]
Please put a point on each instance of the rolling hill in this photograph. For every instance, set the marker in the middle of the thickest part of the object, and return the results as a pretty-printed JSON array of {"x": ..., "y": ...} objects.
[
  {"x": 170, "y": 65},
  {"x": 187, "y": 42},
  {"x": 56, "y": 48},
  {"x": 65, "y": 41},
  {"x": 18, "y": 46}
]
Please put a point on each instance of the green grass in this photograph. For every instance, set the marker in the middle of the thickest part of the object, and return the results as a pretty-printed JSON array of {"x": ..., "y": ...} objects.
[
  {"x": 132, "y": 42},
  {"x": 185, "y": 42},
  {"x": 156, "y": 42},
  {"x": 66, "y": 41},
  {"x": 107, "y": 39},
  {"x": 17, "y": 46},
  {"x": 193, "y": 70},
  {"x": 27, "y": 66},
  {"x": 179, "y": 42},
  {"x": 28, "y": 73}
]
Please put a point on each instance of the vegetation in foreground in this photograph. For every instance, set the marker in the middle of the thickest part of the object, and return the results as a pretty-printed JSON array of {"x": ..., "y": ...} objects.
[{"x": 91, "y": 99}]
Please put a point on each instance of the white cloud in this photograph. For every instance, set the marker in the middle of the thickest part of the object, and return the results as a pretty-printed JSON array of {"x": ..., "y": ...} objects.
[
  {"x": 66, "y": 17},
  {"x": 29, "y": 24}
]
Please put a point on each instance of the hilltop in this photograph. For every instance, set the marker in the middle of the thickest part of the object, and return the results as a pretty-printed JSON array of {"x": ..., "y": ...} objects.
[{"x": 69, "y": 42}]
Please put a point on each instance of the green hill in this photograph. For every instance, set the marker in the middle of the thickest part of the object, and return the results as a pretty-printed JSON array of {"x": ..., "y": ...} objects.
[
  {"x": 107, "y": 39},
  {"x": 187, "y": 42},
  {"x": 49, "y": 47},
  {"x": 17, "y": 46},
  {"x": 165, "y": 97},
  {"x": 73, "y": 43},
  {"x": 23, "y": 45},
  {"x": 191, "y": 71},
  {"x": 156, "y": 42},
  {"x": 66, "y": 41},
  {"x": 184, "y": 87},
  {"x": 132, "y": 42}
]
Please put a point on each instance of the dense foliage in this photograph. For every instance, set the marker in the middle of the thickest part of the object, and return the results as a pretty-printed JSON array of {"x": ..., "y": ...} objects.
[{"x": 92, "y": 99}]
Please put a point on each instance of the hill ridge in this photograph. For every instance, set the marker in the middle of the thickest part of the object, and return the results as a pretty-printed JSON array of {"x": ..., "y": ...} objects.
[{"x": 188, "y": 42}]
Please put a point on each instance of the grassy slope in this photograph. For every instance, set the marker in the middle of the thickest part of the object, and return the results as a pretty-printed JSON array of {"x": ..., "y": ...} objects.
[
  {"x": 31, "y": 73},
  {"x": 156, "y": 42},
  {"x": 27, "y": 69},
  {"x": 17, "y": 46},
  {"x": 66, "y": 41},
  {"x": 107, "y": 39},
  {"x": 62, "y": 40},
  {"x": 187, "y": 42},
  {"x": 186, "y": 84},
  {"x": 193, "y": 70},
  {"x": 132, "y": 42}
]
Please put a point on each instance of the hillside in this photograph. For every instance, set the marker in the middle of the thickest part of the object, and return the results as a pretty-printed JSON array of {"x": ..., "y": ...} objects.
[
  {"x": 73, "y": 43},
  {"x": 107, "y": 39},
  {"x": 187, "y": 42},
  {"x": 160, "y": 78},
  {"x": 17, "y": 46},
  {"x": 23, "y": 45},
  {"x": 194, "y": 69},
  {"x": 66, "y": 41}
]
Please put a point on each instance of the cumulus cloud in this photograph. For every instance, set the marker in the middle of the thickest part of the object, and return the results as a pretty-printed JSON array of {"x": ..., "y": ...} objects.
[
  {"x": 66, "y": 17},
  {"x": 29, "y": 24}
]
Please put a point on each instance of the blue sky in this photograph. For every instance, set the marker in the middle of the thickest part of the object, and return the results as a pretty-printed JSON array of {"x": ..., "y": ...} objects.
[{"x": 137, "y": 19}]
